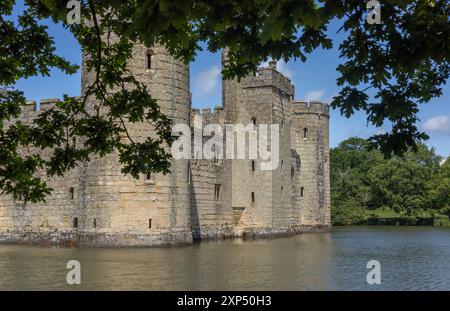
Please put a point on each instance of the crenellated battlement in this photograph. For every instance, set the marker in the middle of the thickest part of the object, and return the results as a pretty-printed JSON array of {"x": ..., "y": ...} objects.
[
  {"x": 33, "y": 108},
  {"x": 48, "y": 103},
  {"x": 30, "y": 107},
  {"x": 270, "y": 77},
  {"x": 314, "y": 107},
  {"x": 214, "y": 116}
]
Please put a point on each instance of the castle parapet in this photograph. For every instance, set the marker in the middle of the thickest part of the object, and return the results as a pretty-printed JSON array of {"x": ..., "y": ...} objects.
[
  {"x": 208, "y": 116},
  {"x": 48, "y": 103},
  {"x": 315, "y": 107},
  {"x": 270, "y": 77},
  {"x": 33, "y": 109},
  {"x": 29, "y": 107}
]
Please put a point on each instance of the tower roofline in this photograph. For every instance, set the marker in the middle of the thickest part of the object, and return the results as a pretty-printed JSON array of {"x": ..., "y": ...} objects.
[{"x": 315, "y": 107}]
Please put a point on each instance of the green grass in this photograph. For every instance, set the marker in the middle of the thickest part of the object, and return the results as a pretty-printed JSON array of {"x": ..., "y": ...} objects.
[
  {"x": 439, "y": 219},
  {"x": 383, "y": 213},
  {"x": 442, "y": 221},
  {"x": 387, "y": 216}
]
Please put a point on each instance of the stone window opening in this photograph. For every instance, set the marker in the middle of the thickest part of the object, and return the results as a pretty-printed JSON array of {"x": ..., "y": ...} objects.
[
  {"x": 189, "y": 173},
  {"x": 149, "y": 223},
  {"x": 292, "y": 172},
  {"x": 282, "y": 193},
  {"x": 305, "y": 133},
  {"x": 282, "y": 125},
  {"x": 253, "y": 197},
  {"x": 149, "y": 59},
  {"x": 95, "y": 223},
  {"x": 215, "y": 151},
  {"x": 302, "y": 191},
  {"x": 217, "y": 192},
  {"x": 75, "y": 222},
  {"x": 253, "y": 165},
  {"x": 254, "y": 120},
  {"x": 282, "y": 165},
  {"x": 72, "y": 193}
]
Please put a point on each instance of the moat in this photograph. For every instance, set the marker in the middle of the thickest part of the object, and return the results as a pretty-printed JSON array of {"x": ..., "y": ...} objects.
[{"x": 411, "y": 258}]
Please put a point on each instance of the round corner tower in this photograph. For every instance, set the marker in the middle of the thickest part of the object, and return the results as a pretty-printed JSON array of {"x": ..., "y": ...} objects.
[
  {"x": 310, "y": 139},
  {"x": 153, "y": 210}
]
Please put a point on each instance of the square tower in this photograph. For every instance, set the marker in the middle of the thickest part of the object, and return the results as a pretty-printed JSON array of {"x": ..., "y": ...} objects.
[{"x": 263, "y": 197}]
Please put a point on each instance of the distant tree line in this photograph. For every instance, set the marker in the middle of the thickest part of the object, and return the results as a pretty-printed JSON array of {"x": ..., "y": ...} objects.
[{"x": 365, "y": 184}]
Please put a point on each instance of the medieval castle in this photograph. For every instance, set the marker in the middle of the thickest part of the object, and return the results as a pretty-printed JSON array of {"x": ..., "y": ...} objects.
[{"x": 96, "y": 205}]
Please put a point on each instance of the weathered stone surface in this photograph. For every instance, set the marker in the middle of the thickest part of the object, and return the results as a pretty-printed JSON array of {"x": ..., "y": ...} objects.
[{"x": 95, "y": 205}]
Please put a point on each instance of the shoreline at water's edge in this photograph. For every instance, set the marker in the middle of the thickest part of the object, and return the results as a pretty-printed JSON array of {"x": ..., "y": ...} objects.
[
  {"x": 128, "y": 240},
  {"x": 397, "y": 221}
]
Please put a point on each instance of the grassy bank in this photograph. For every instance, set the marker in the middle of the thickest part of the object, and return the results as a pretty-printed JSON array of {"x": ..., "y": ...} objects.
[{"x": 386, "y": 217}]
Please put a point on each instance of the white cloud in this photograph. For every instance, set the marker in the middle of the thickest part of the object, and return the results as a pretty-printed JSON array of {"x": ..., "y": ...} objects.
[
  {"x": 282, "y": 67},
  {"x": 440, "y": 124},
  {"x": 314, "y": 95},
  {"x": 207, "y": 81}
]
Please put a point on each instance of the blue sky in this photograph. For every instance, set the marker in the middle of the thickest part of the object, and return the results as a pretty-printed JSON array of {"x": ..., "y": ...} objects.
[{"x": 314, "y": 80}]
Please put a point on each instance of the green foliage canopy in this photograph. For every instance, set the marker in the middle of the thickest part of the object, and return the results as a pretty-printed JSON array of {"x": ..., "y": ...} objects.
[
  {"x": 404, "y": 60},
  {"x": 363, "y": 180}
]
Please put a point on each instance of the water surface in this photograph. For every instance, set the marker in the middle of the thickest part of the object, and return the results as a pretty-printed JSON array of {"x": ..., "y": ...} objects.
[{"x": 412, "y": 258}]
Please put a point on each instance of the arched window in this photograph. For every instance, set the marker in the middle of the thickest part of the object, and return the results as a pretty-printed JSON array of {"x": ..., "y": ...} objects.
[
  {"x": 302, "y": 191},
  {"x": 305, "y": 133}
]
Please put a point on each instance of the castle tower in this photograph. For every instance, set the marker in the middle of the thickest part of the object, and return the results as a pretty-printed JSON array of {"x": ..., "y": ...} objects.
[
  {"x": 310, "y": 140},
  {"x": 154, "y": 209},
  {"x": 261, "y": 199}
]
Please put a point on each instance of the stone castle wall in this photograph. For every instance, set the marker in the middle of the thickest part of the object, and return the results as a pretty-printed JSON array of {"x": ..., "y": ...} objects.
[
  {"x": 310, "y": 139},
  {"x": 211, "y": 214},
  {"x": 96, "y": 205},
  {"x": 52, "y": 220}
]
